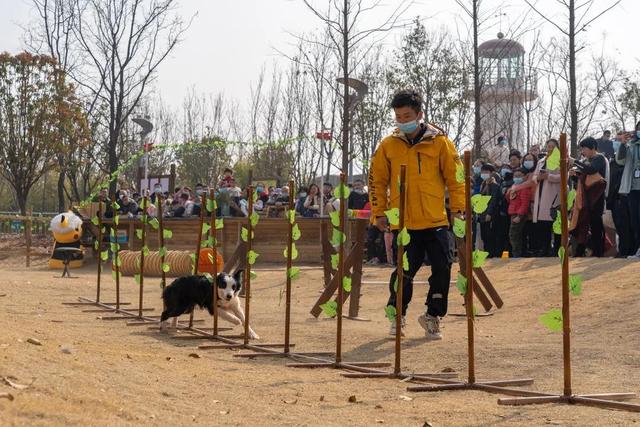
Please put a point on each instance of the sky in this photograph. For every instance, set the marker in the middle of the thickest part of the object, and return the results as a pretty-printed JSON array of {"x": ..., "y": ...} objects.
[{"x": 229, "y": 41}]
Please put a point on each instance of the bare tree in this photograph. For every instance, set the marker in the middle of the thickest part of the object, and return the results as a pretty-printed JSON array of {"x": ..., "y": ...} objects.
[
  {"x": 580, "y": 16},
  {"x": 124, "y": 42}
]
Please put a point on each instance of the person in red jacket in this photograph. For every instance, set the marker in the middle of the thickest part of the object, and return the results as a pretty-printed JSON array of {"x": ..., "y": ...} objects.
[{"x": 518, "y": 201}]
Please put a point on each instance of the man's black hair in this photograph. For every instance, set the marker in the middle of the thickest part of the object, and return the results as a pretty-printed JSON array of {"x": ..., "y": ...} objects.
[
  {"x": 521, "y": 170},
  {"x": 358, "y": 180},
  {"x": 607, "y": 131},
  {"x": 488, "y": 167},
  {"x": 199, "y": 185},
  {"x": 589, "y": 142},
  {"x": 407, "y": 98},
  {"x": 515, "y": 153}
]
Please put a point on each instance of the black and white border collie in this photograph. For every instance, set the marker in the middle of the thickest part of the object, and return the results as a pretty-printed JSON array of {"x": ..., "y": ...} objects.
[{"x": 184, "y": 293}]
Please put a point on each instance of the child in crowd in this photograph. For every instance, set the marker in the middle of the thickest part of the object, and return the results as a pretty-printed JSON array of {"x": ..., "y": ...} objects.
[{"x": 518, "y": 201}]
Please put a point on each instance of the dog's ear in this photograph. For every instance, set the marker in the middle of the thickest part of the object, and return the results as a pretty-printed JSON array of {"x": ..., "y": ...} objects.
[
  {"x": 238, "y": 277},
  {"x": 220, "y": 282}
]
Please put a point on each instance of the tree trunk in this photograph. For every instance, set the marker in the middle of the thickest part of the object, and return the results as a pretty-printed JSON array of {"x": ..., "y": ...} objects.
[
  {"x": 113, "y": 160},
  {"x": 477, "y": 131},
  {"x": 61, "y": 179},
  {"x": 572, "y": 78}
]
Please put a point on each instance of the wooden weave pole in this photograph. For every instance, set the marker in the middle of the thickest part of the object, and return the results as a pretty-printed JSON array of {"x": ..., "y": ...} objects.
[
  {"x": 159, "y": 202},
  {"x": 213, "y": 232},
  {"x": 203, "y": 208},
  {"x": 400, "y": 272},
  {"x": 99, "y": 214},
  {"x": 116, "y": 253},
  {"x": 247, "y": 270},
  {"x": 145, "y": 206},
  {"x": 287, "y": 304}
]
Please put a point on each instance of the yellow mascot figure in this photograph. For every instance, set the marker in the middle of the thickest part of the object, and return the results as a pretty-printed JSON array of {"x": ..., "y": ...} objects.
[{"x": 67, "y": 229}]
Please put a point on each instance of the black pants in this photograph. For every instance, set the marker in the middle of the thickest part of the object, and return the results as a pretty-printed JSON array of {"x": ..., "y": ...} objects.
[
  {"x": 542, "y": 236},
  {"x": 634, "y": 209},
  {"x": 622, "y": 220},
  {"x": 597, "y": 227},
  {"x": 375, "y": 244},
  {"x": 434, "y": 244}
]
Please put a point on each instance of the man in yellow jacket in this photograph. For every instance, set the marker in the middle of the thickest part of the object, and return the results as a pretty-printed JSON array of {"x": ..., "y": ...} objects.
[{"x": 432, "y": 161}]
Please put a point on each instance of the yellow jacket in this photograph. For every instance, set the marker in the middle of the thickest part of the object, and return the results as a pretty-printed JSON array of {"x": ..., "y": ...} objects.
[{"x": 431, "y": 166}]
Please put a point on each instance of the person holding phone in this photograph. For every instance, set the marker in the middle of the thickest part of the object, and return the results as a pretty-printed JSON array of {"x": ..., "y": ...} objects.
[
  {"x": 546, "y": 200},
  {"x": 629, "y": 156}
]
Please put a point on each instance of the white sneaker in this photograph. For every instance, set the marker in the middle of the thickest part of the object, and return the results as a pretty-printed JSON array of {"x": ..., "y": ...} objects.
[
  {"x": 636, "y": 256},
  {"x": 392, "y": 329},
  {"x": 431, "y": 326}
]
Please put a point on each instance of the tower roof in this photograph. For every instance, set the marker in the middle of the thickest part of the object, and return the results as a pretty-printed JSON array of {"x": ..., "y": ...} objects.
[{"x": 500, "y": 48}]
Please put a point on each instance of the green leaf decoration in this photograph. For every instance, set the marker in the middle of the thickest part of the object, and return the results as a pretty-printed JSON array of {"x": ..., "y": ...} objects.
[
  {"x": 95, "y": 221},
  {"x": 334, "y": 261},
  {"x": 552, "y": 320},
  {"x": 115, "y": 275},
  {"x": 137, "y": 278},
  {"x": 330, "y": 308},
  {"x": 294, "y": 252},
  {"x": 244, "y": 234},
  {"x": 345, "y": 191},
  {"x": 193, "y": 258},
  {"x": 254, "y": 196},
  {"x": 405, "y": 262},
  {"x": 205, "y": 228},
  {"x": 117, "y": 261},
  {"x": 295, "y": 232},
  {"x": 96, "y": 245},
  {"x": 165, "y": 267},
  {"x": 113, "y": 247},
  {"x": 254, "y": 219},
  {"x": 575, "y": 284},
  {"x": 162, "y": 251},
  {"x": 139, "y": 233},
  {"x": 346, "y": 283},
  {"x": 393, "y": 216},
  {"x": 557, "y": 225},
  {"x": 561, "y": 254},
  {"x": 103, "y": 230},
  {"x": 138, "y": 263},
  {"x": 395, "y": 285},
  {"x": 253, "y": 274},
  {"x": 292, "y": 216},
  {"x": 252, "y": 256},
  {"x": 335, "y": 218},
  {"x": 553, "y": 161},
  {"x": 461, "y": 284},
  {"x": 338, "y": 237},
  {"x": 154, "y": 223},
  {"x": 479, "y": 257},
  {"x": 104, "y": 255},
  {"x": 571, "y": 198},
  {"x": 293, "y": 272},
  {"x": 220, "y": 223},
  {"x": 403, "y": 237},
  {"x": 116, "y": 206},
  {"x": 480, "y": 203},
  {"x": 390, "y": 312},
  {"x": 167, "y": 234},
  {"x": 116, "y": 220},
  {"x": 459, "y": 227},
  {"x": 211, "y": 205},
  {"x": 145, "y": 250},
  {"x": 459, "y": 173},
  {"x": 209, "y": 277}
]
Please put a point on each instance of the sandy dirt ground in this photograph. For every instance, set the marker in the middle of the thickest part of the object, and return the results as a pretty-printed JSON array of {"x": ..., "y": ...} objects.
[{"x": 96, "y": 372}]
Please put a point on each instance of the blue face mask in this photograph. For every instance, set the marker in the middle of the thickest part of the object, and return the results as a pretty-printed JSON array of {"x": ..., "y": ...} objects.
[
  {"x": 528, "y": 164},
  {"x": 504, "y": 142},
  {"x": 518, "y": 180},
  {"x": 485, "y": 176},
  {"x": 407, "y": 128},
  {"x": 260, "y": 189},
  {"x": 616, "y": 145},
  {"x": 504, "y": 172},
  {"x": 476, "y": 170}
]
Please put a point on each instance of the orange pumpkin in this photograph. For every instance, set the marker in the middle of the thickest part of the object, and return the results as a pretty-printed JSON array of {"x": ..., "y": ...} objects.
[{"x": 204, "y": 261}]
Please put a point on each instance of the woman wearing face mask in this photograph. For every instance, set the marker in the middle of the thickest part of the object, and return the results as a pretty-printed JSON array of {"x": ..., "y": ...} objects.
[
  {"x": 477, "y": 181},
  {"x": 312, "y": 202},
  {"x": 546, "y": 200},
  {"x": 629, "y": 156},
  {"x": 489, "y": 219}
]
